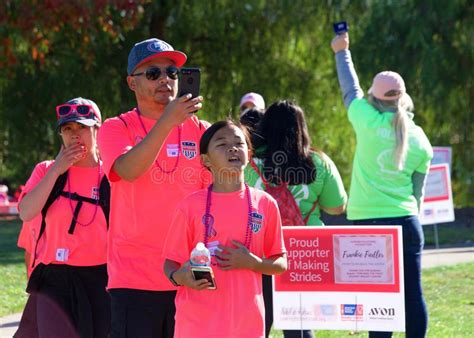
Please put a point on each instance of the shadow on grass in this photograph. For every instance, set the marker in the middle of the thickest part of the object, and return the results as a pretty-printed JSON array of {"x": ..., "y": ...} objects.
[{"x": 9, "y": 252}]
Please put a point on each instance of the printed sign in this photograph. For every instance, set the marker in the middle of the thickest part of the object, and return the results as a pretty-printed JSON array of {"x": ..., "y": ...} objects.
[
  {"x": 437, "y": 205},
  {"x": 442, "y": 155},
  {"x": 363, "y": 259},
  {"x": 341, "y": 278}
]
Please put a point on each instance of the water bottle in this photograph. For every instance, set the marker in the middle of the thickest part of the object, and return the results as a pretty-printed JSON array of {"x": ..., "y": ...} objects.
[{"x": 200, "y": 256}]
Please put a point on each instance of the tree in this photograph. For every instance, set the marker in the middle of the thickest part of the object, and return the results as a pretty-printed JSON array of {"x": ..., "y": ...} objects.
[{"x": 278, "y": 48}]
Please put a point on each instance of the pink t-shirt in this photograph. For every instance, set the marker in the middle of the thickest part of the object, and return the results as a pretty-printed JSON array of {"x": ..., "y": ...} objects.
[
  {"x": 141, "y": 210},
  {"x": 236, "y": 307},
  {"x": 87, "y": 245},
  {"x": 27, "y": 237}
]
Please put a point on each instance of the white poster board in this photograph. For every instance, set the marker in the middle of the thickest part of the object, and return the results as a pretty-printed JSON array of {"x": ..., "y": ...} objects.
[
  {"x": 341, "y": 278},
  {"x": 437, "y": 204},
  {"x": 442, "y": 155}
]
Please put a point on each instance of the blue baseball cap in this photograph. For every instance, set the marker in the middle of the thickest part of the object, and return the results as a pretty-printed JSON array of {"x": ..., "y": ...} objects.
[{"x": 147, "y": 50}]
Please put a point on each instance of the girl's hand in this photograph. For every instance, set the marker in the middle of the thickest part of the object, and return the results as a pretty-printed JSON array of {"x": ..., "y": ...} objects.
[
  {"x": 340, "y": 42},
  {"x": 236, "y": 258},
  {"x": 184, "y": 277},
  {"x": 67, "y": 157},
  {"x": 178, "y": 110}
]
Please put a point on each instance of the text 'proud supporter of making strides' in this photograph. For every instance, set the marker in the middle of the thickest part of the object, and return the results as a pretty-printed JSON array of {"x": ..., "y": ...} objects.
[{"x": 341, "y": 278}]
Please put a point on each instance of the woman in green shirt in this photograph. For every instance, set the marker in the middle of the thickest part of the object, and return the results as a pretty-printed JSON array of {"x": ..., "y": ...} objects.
[
  {"x": 312, "y": 178},
  {"x": 391, "y": 161}
]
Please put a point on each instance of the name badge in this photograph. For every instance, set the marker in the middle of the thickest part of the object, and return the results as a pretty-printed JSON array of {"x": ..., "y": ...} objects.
[
  {"x": 95, "y": 193},
  {"x": 172, "y": 150},
  {"x": 62, "y": 254}
]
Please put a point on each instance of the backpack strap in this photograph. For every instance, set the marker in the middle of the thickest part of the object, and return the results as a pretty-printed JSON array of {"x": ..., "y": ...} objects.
[
  {"x": 265, "y": 182},
  {"x": 306, "y": 219},
  {"x": 53, "y": 195},
  {"x": 259, "y": 173},
  {"x": 104, "y": 202},
  {"x": 104, "y": 198},
  {"x": 122, "y": 119}
]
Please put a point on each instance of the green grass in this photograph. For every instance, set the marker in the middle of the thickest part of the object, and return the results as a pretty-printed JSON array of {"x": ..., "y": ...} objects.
[
  {"x": 449, "y": 290},
  {"x": 449, "y": 234},
  {"x": 12, "y": 269}
]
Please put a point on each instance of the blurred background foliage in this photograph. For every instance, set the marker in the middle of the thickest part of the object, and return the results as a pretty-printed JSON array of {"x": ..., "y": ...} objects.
[{"x": 53, "y": 50}]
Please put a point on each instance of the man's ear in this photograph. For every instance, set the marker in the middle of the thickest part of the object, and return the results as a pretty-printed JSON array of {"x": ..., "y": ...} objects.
[{"x": 131, "y": 82}]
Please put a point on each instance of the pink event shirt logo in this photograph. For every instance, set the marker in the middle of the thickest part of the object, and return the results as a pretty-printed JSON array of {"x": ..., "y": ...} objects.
[
  {"x": 256, "y": 221},
  {"x": 189, "y": 149}
]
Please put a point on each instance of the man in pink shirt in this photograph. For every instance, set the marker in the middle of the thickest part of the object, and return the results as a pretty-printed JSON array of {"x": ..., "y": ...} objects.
[{"x": 151, "y": 157}]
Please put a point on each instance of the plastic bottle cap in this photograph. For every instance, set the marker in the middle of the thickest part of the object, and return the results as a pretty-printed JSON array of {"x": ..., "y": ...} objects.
[{"x": 200, "y": 246}]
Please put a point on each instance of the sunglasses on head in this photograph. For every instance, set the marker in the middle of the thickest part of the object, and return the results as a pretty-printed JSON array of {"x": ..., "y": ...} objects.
[
  {"x": 154, "y": 73},
  {"x": 74, "y": 109}
]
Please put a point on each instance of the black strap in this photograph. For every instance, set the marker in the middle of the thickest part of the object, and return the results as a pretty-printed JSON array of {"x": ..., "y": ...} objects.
[
  {"x": 104, "y": 202},
  {"x": 121, "y": 118},
  {"x": 104, "y": 198},
  {"x": 76, "y": 197},
  {"x": 53, "y": 195},
  {"x": 72, "y": 226}
]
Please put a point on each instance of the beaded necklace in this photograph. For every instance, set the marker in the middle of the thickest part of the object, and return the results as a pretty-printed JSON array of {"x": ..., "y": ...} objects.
[
  {"x": 208, "y": 217},
  {"x": 96, "y": 203},
  {"x": 179, "y": 146}
]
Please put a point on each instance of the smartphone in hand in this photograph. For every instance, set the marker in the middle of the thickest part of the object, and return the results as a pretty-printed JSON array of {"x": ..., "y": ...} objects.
[
  {"x": 189, "y": 81},
  {"x": 204, "y": 272},
  {"x": 340, "y": 27}
]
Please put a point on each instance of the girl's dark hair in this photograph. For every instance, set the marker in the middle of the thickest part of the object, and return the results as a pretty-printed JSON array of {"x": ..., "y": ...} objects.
[
  {"x": 287, "y": 157},
  {"x": 209, "y": 133},
  {"x": 251, "y": 119}
]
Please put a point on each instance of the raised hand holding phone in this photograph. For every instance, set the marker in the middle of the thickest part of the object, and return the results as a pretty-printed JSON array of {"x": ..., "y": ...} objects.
[
  {"x": 340, "y": 42},
  {"x": 189, "y": 81}
]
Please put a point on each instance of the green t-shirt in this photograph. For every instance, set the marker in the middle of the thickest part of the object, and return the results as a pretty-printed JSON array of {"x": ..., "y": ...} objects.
[
  {"x": 328, "y": 188},
  {"x": 378, "y": 189}
]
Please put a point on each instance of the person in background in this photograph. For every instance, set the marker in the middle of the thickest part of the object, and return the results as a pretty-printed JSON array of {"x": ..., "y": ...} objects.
[
  {"x": 17, "y": 193},
  {"x": 251, "y": 100},
  {"x": 151, "y": 157},
  {"x": 392, "y": 159},
  {"x": 241, "y": 226},
  {"x": 4, "y": 199},
  {"x": 250, "y": 119},
  {"x": 64, "y": 207},
  {"x": 310, "y": 175}
]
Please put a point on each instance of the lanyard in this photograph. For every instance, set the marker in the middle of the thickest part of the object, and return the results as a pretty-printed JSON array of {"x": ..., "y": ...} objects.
[
  {"x": 179, "y": 146},
  {"x": 208, "y": 219}
]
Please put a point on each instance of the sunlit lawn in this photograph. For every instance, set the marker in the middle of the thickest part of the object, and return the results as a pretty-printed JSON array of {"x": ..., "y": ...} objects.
[{"x": 449, "y": 291}]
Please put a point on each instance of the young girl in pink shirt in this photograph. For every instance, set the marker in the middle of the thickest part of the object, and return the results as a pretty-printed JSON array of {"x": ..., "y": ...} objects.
[{"x": 240, "y": 226}]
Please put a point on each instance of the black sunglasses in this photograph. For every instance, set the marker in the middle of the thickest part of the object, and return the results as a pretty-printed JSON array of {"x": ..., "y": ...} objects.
[{"x": 154, "y": 73}]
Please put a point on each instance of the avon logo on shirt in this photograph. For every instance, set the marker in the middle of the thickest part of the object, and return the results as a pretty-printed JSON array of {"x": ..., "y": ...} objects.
[
  {"x": 256, "y": 221},
  {"x": 189, "y": 149}
]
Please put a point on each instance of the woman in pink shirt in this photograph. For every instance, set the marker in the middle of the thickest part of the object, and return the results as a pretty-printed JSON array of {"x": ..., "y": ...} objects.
[
  {"x": 65, "y": 204},
  {"x": 240, "y": 226}
]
